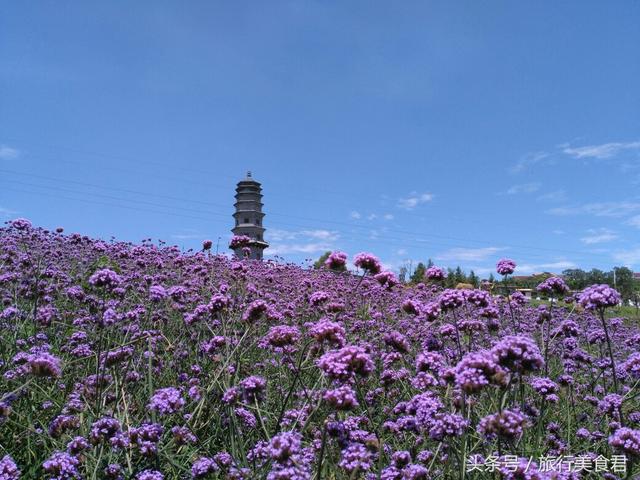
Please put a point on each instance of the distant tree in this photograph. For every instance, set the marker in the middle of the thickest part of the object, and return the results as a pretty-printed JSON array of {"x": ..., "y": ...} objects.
[
  {"x": 635, "y": 298},
  {"x": 320, "y": 262},
  {"x": 430, "y": 263},
  {"x": 492, "y": 279},
  {"x": 473, "y": 279},
  {"x": 450, "y": 281},
  {"x": 418, "y": 273},
  {"x": 624, "y": 282},
  {"x": 575, "y": 278},
  {"x": 403, "y": 274},
  {"x": 598, "y": 276},
  {"x": 460, "y": 277},
  {"x": 531, "y": 281}
]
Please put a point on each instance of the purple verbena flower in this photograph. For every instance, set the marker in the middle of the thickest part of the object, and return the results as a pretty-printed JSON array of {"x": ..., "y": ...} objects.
[
  {"x": 105, "y": 278},
  {"x": 62, "y": 466},
  {"x": 166, "y": 401},
  {"x": 599, "y": 297},
  {"x": 553, "y": 285},
  {"x": 342, "y": 364},
  {"x": 8, "y": 469},
  {"x": 505, "y": 266},
  {"x": 435, "y": 273},
  {"x": 336, "y": 261},
  {"x": 518, "y": 354},
  {"x": 507, "y": 424},
  {"x": 627, "y": 441},
  {"x": 367, "y": 262}
]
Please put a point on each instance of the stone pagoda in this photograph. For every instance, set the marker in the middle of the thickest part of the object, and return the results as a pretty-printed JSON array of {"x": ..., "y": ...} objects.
[{"x": 248, "y": 216}]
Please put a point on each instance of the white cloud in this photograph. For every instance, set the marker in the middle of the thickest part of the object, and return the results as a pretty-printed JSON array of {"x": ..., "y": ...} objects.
[
  {"x": 529, "y": 160},
  {"x": 277, "y": 235},
  {"x": 553, "y": 267},
  {"x": 601, "y": 235},
  {"x": 601, "y": 152},
  {"x": 355, "y": 215},
  {"x": 388, "y": 216},
  {"x": 629, "y": 258},
  {"x": 8, "y": 153},
  {"x": 414, "y": 199},
  {"x": 468, "y": 254},
  {"x": 6, "y": 212},
  {"x": 601, "y": 209},
  {"x": 556, "y": 196},
  {"x": 185, "y": 236},
  {"x": 372, "y": 216},
  {"x": 524, "y": 188},
  {"x": 634, "y": 221},
  {"x": 309, "y": 242},
  {"x": 401, "y": 251},
  {"x": 320, "y": 234},
  {"x": 293, "y": 248}
]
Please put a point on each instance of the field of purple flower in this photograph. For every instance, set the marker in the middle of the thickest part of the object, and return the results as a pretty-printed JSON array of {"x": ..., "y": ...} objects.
[{"x": 141, "y": 361}]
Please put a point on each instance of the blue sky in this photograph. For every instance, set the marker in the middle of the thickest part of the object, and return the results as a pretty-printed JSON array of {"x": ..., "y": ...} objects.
[{"x": 459, "y": 131}]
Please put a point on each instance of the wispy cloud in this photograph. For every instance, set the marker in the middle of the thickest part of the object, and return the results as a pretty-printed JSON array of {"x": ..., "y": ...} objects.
[
  {"x": 629, "y": 258},
  {"x": 634, "y": 221},
  {"x": 555, "y": 196},
  {"x": 602, "y": 151},
  {"x": 186, "y": 236},
  {"x": 8, "y": 153},
  {"x": 291, "y": 242},
  {"x": 468, "y": 254},
  {"x": 414, "y": 199},
  {"x": 598, "y": 209},
  {"x": 529, "y": 160},
  {"x": 6, "y": 212},
  {"x": 524, "y": 188},
  {"x": 277, "y": 235},
  {"x": 554, "y": 267},
  {"x": 293, "y": 248},
  {"x": 371, "y": 216},
  {"x": 601, "y": 235}
]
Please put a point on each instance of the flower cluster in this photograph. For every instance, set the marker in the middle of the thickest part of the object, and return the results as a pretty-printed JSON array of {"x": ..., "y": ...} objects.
[
  {"x": 553, "y": 286},
  {"x": 166, "y": 401},
  {"x": 599, "y": 296},
  {"x": 518, "y": 353},
  {"x": 450, "y": 299},
  {"x": 627, "y": 441},
  {"x": 435, "y": 273},
  {"x": 508, "y": 425},
  {"x": 105, "y": 278},
  {"x": 367, "y": 262},
  {"x": 336, "y": 261},
  {"x": 505, "y": 266},
  {"x": 342, "y": 364},
  {"x": 239, "y": 241}
]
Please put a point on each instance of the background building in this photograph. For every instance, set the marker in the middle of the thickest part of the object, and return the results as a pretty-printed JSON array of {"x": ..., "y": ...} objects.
[{"x": 249, "y": 216}]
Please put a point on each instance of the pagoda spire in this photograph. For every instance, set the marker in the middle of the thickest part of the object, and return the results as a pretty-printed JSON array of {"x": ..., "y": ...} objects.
[{"x": 248, "y": 216}]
